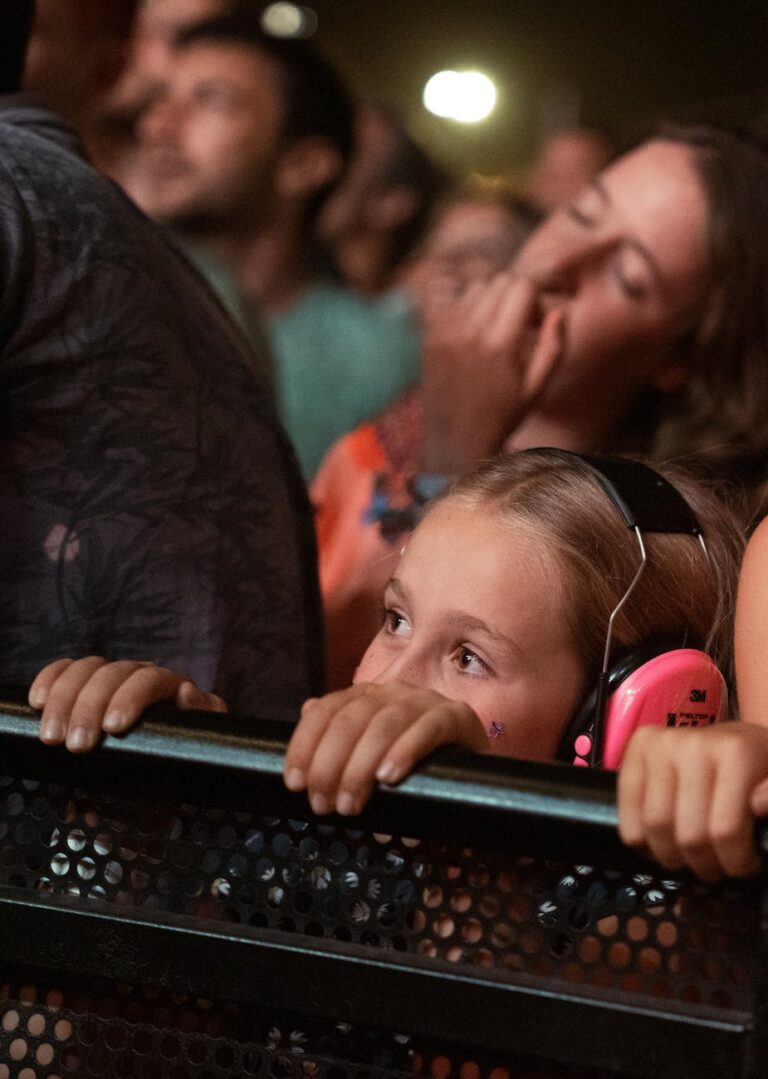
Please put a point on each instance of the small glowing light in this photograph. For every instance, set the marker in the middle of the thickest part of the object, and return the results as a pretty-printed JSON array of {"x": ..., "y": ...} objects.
[
  {"x": 467, "y": 96},
  {"x": 289, "y": 20}
]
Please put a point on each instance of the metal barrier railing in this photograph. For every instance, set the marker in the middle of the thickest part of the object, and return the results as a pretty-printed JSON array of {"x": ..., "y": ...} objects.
[{"x": 168, "y": 908}]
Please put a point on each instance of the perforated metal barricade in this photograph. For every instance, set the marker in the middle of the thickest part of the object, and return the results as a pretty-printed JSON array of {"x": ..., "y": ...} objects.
[{"x": 168, "y": 909}]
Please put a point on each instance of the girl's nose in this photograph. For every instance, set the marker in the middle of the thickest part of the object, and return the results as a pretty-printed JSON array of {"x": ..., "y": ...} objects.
[{"x": 408, "y": 666}]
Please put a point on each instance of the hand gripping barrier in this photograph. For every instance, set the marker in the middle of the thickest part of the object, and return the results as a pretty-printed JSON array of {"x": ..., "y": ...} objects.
[{"x": 168, "y": 909}]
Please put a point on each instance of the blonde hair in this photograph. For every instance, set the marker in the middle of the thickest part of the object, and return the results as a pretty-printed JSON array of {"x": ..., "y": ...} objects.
[{"x": 559, "y": 504}]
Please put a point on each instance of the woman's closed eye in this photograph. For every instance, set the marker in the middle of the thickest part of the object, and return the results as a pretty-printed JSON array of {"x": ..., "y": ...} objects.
[
  {"x": 588, "y": 208},
  {"x": 579, "y": 216},
  {"x": 469, "y": 662},
  {"x": 632, "y": 274}
]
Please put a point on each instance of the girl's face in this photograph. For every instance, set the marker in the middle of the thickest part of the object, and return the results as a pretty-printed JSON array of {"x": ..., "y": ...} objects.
[{"x": 474, "y": 612}]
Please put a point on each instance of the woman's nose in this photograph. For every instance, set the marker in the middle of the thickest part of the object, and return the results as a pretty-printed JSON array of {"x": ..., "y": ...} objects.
[{"x": 567, "y": 265}]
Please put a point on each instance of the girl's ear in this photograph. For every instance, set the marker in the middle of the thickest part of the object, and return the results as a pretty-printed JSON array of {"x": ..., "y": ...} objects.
[{"x": 307, "y": 166}]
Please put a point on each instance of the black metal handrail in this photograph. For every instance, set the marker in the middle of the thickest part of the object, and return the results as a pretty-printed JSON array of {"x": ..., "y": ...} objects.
[
  {"x": 193, "y": 755},
  {"x": 235, "y": 762}
]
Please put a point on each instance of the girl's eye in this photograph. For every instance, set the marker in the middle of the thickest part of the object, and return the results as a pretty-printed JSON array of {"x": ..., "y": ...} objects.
[
  {"x": 469, "y": 662},
  {"x": 395, "y": 622}
]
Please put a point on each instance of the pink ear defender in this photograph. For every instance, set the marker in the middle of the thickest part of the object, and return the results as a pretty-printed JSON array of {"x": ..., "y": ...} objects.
[
  {"x": 662, "y": 682},
  {"x": 682, "y": 688}
]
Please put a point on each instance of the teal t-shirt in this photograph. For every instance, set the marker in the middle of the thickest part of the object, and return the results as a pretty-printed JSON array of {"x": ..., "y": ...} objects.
[{"x": 338, "y": 359}]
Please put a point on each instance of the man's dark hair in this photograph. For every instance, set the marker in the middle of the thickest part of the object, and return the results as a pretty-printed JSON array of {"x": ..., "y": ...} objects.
[
  {"x": 316, "y": 102},
  {"x": 15, "y": 27}
]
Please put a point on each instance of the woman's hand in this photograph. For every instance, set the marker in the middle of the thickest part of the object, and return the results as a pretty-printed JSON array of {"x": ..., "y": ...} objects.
[
  {"x": 82, "y": 698},
  {"x": 346, "y": 741},
  {"x": 690, "y": 797},
  {"x": 486, "y": 358}
]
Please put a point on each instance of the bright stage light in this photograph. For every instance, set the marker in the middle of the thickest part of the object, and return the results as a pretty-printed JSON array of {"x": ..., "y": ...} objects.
[
  {"x": 467, "y": 96},
  {"x": 289, "y": 20}
]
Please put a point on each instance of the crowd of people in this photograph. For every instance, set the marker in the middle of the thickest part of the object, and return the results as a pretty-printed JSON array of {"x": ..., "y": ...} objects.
[{"x": 265, "y": 361}]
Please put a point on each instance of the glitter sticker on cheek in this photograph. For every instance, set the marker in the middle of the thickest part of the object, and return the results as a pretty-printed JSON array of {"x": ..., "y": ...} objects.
[{"x": 495, "y": 730}]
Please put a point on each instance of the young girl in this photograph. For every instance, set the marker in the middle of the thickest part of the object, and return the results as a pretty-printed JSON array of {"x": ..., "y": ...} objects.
[{"x": 494, "y": 628}]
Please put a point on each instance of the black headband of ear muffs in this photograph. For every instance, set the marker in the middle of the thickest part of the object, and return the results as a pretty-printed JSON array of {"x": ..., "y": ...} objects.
[
  {"x": 645, "y": 499},
  {"x": 647, "y": 502}
]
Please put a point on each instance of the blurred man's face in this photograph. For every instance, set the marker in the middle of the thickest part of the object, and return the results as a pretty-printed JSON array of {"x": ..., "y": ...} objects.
[
  {"x": 159, "y": 23},
  {"x": 211, "y": 144}
]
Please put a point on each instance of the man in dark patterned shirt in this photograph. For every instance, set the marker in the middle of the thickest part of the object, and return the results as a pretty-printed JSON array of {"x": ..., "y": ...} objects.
[{"x": 149, "y": 500}]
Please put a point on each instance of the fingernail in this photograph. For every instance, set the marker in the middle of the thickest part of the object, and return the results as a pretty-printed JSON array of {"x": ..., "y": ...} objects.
[
  {"x": 389, "y": 772},
  {"x": 294, "y": 780},
  {"x": 52, "y": 730},
  {"x": 37, "y": 697},
  {"x": 113, "y": 721},
  {"x": 345, "y": 804},
  {"x": 319, "y": 804},
  {"x": 79, "y": 738}
]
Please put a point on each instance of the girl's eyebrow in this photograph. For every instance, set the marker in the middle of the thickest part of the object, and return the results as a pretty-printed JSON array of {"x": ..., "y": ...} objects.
[{"x": 462, "y": 622}]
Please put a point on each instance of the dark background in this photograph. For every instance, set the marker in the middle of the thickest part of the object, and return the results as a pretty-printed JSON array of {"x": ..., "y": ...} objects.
[{"x": 622, "y": 64}]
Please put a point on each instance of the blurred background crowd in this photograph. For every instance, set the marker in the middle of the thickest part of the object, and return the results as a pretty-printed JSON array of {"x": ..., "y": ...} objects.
[{"x": 450, "y": 230}]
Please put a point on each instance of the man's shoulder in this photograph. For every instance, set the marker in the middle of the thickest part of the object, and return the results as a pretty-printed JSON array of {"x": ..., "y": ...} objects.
[{"x": 26, "y": 122}]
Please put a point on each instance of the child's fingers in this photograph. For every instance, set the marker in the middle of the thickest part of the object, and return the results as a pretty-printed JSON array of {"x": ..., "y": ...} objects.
[
  {"x": 397, "y": 738},
  {"x": 316, "y": 714},
  {"x": 342, "y": 733},
  {"x": 189, "y": 695},
  {"x": 38, "y": 691},
  {"x": 692, "y": 833},
  {"x": 659, "y": 815},
  {"x": 302, "y": 744},
  {"x": 449, "y": 722},
  {"x": 135, "y": 691},
  {"x": 103, "y": 699},
  {"x": 360, "y": 768},
  {"x": 631, "y": 793},
  {"x": 730, "y": 817},
  {"x": 62, "y": 694}
]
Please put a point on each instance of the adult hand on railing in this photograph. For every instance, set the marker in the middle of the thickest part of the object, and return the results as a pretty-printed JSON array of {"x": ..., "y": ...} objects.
[
  {"x": 82, "y": 698},
  {"x": 487, "y": 356},
  {"x": 690, "y": 797},
  {"x": 347, "y": 740}
]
